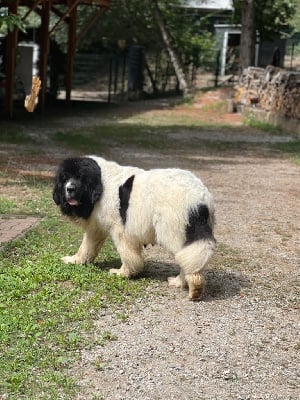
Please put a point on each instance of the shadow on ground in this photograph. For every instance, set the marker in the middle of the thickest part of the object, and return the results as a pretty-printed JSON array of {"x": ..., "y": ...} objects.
[{"x": 220, "y": 284}]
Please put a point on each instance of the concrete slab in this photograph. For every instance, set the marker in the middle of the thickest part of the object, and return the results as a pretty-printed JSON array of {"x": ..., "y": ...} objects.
[{"x": 14, "y": 227}]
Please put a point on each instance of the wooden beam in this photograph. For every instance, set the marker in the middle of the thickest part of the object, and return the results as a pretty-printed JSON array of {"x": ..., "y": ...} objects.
[
  {"x": 57, "y": 12},
  {"x": 90, "y": 23},
  {"x": 11, "y": 50},
  {"x": 44, "y": 50},
  {"x": 71, "y": 52},
  {"x": 71, "y": 7},
  {"x": 32, "y": 8}
]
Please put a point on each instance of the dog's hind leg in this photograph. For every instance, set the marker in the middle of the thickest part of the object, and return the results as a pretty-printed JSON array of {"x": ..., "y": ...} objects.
[
  {"x": 196, "y": 283},
  {"x": 192, "y": 259}
]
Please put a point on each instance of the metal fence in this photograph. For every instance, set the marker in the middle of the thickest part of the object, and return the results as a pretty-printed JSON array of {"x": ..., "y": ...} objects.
[{"x": 114, "y": 75}]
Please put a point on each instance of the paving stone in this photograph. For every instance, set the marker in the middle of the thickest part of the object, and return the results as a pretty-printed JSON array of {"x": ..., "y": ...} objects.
[{"x": 12, "y": 228}]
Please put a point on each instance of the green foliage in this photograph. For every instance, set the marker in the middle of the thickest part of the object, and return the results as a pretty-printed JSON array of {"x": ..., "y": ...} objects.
[
  {"x": 133, "y": 21},
  {"x": 10, "y": 21},
  {"x": 272, "y": 16},
  {"x": 295, "y": 20},
  {"x": 191, "y": 35}
]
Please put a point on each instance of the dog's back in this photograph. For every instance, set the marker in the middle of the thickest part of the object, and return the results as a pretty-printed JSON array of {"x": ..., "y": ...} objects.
[{"x": 167, "y": 200}]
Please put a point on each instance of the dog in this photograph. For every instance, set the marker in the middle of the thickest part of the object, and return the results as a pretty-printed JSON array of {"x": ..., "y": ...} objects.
[{"x": 136, "y": 207}]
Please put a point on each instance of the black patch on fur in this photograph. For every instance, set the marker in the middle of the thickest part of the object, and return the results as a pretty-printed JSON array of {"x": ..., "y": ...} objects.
[
  {"x": 124, "y": 195},
  {"x": 86, "y": 174},
  {"x": 198, "y": 227}
]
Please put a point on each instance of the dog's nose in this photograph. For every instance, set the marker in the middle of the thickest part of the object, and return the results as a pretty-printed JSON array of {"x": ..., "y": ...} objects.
[{"x": 70, "y": 187}]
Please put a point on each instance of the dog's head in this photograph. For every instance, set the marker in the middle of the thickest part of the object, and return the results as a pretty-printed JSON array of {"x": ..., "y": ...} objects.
[{"x": 78, "y": 186}]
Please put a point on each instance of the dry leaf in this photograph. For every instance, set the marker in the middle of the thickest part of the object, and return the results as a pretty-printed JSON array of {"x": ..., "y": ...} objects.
[{"x": 32, "y": 99}]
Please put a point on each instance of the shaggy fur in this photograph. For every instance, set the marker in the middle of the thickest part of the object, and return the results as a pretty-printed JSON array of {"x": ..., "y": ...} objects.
[{"x": 170, "y": 207}]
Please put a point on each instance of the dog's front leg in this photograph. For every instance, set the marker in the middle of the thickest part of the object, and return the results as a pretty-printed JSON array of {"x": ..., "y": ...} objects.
[
  {"x": 87, "y": 251},
  {"x": 131, "y": 257}
]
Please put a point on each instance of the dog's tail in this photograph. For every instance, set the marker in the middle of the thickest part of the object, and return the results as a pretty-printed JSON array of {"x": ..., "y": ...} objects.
[{"x": 193, "y": 257}]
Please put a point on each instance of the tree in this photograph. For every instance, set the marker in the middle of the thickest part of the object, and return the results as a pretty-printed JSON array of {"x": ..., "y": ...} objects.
[
  {"x": 170, "y": 48},
  {"x": 265, "y": 17},
  {"x": 248, "y": 33}
]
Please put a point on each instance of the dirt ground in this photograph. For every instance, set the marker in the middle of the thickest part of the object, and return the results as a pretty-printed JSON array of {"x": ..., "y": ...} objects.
[{"x": 242, "y": 341}]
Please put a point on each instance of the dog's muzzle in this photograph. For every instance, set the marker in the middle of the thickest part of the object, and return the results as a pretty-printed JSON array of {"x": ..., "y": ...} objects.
[{"x": 70, "y": 192}]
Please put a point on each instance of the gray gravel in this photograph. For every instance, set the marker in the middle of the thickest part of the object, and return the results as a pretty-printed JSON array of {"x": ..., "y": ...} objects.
[{"x": 219, "y": 349}]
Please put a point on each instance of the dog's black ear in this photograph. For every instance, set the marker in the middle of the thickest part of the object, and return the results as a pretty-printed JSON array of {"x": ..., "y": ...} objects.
[
  {"x": 56, "y": 192},
  {"x": 92, "y": 173},
  {"x": 96, "y": 192}
]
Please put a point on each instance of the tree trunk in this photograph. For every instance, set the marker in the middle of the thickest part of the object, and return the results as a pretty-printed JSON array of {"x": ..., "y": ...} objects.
[
  {"x": 167, "y": 40},
  {"x": 248, "y": 35}
]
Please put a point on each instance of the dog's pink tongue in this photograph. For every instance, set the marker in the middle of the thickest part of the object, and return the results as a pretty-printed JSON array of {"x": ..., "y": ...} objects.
[{"x": 73, "y": 202}]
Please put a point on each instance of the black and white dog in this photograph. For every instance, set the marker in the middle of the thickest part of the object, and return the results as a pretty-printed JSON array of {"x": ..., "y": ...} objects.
[{"x": 170, "y": 207}]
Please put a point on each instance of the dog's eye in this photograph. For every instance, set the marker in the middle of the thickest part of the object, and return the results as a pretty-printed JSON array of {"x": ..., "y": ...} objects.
[{"x": 64, "y": 178}]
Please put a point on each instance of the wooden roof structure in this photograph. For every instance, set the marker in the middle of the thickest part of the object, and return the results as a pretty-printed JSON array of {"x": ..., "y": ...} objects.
[{"x": 44, "y": 8}]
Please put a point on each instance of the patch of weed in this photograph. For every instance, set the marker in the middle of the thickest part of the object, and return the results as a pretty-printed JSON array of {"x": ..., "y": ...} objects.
[
  {"x": 14, "y": 137},
  {"x": 7, "y": 206},
  {"x": 36, "y": 198},
  {"x": 78, "y": 140},
  {"x": 290, "y": 148},
  {"x": 128, "y": 134},
  {"x": 217, "y": 106},
  {"x": 254, "y": 122}
]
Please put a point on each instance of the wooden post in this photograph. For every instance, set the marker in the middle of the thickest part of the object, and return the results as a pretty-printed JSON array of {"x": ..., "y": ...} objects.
[
  {"x": 71, "y": 53},
  {"x": 44, "y": 50},
  {"x": 11, "y": 50}
]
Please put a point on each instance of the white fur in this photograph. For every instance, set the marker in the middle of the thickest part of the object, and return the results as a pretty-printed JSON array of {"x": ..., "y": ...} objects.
[{"x": 158, "y": 212}]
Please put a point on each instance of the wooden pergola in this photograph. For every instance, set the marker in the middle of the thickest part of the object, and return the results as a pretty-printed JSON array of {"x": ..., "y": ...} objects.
[{"x": 44, "y": 8}]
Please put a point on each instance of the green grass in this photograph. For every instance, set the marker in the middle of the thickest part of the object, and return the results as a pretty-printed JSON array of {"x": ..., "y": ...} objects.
[
  {"x": 14, "y": 136},
  {"x": 254, "y": 122},
  {"x": 36, "y": 196},
  {"x": 78, "y": 140},
  {"x": 101, "y": 138},
  {"x": 47, "y": 308},
  {"x": 290, "y": 148},
  {"x": 218, "y": 106},
  {"x": 7, "y": 206}
]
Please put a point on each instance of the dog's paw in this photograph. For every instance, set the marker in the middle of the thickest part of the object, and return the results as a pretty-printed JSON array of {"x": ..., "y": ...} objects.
[
  {"x": 120, "y": 271},
  {"x": 177, "y": 282},
  {"x": 115, "y": 271},
  {"x": 69, "y": 260},
  {"x": 197, "y": 284},
  {"x": 196, "y": 294},
  {"x": 174, "y": 281}
]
